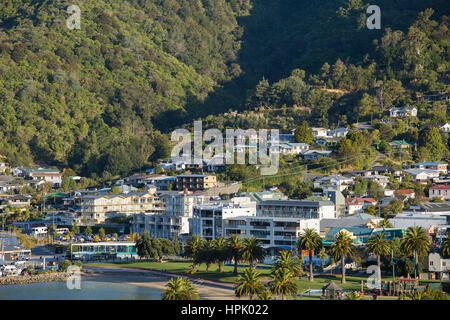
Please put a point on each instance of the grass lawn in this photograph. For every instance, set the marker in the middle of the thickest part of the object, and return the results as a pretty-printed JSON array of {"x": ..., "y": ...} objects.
[{"x": 352, "y": 282}]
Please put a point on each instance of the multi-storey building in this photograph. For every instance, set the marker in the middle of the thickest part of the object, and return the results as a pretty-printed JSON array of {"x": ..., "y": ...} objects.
[
  {"x": 208, "y": 218},
  {"x": 194, "y": 182},
  {"x": 305, "y": 209},
  {"x": 97, "y": 208},
  {"x": 175, "y": 219},
  {"x": 272, "y": 232}
]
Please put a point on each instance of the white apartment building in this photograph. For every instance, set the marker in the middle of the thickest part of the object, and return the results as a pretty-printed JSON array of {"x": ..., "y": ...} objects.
[
  {"x": 207, "y": 220},
  {"x": 304, "y": 209},
  {"x": 272, "y": 232},
  {"x": 97, "y": 208},
  {"x": 178, "y": 212}
]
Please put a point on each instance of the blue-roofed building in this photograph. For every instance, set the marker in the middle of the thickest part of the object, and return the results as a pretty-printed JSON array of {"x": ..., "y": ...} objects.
[
  {"x": 359, "y": 235},
  {"x": 431, "y": 165}
]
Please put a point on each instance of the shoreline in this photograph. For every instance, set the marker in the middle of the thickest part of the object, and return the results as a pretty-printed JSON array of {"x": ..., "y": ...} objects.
[
  {"x": 208, "y": 290},
  {"x": 35, "y": 278}
]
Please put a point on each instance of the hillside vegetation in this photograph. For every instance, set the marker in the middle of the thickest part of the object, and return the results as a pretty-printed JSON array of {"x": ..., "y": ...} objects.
[{"x": 97, "y": 99}]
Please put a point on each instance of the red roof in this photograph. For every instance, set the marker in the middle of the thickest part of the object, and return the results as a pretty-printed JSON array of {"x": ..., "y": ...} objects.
[
  {"x": 404, "y": 191},
  {"x": 440, "y": 186},
  {"x": 359, "y": 201}
]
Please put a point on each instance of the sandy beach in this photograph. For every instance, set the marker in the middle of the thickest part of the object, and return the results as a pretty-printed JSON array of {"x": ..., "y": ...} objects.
[{"x": 208, "y": 290}]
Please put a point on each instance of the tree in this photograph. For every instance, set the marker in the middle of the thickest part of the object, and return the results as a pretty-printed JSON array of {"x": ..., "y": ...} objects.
[
  {"x": 191, "y": 250},
  {"x": 252, "y": 251},
  {"x": 341, "y": 249},
  {"x": 75, "y": 229},
  {"x": 265, "y": 295},
  {"x": 249, "y": 284},
  {"x": 283, "y": 283},
  {"x": 287, "y": 260},
  {"x": 220, "y": 252},
  {"x": 385, "y": 224},
  {"x": 64, "y": 265},
  {"x": 304, "y": 134},
  {"x": 234, "y": 244},
  {"x": 431, "y": 145},
  {"x": 101, "y": 233},
  {"x": 393, "y": 208},
  {"x": 445, "y": 247},
  {"x": 309, "y": 240},
  {"x": 144, "y": 246},
  {"x": 205, "y": 253},
  {"x": 379, "y": 246},
  {"x": 322, "y": 255},
  {"x": 88, "y": 231},
  {"x": 416, "y": 242},
  {"x": 180, "y": 289}
]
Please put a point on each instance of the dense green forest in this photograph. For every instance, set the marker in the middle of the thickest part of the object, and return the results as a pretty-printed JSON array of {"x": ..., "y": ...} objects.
[{"x": 99, "y": 99}]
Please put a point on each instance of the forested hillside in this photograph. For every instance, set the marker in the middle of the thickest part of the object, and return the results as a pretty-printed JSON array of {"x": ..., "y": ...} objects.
[{"x": 96, "y": 99}]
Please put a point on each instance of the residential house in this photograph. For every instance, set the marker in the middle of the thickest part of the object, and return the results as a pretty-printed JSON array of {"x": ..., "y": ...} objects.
[
  {"x": 315, "y": 154},
  {"x": 405, "y": 194},
  {"x": 398, "y": 145},
  {"x": 47, "y": 175},
  {"x": 431, "y": 165},
  {"x": 339, "y": 181},
  {"x": 358, "y": 205},
  {"x": 441, "y": 191},
  {"x": 422, "y": 175},
  {"x": 403, "y": 112},
  {"x": 293, "y": 148},
  {"x": 445, "y": 128},
  {"x": 381, "y": 180}
]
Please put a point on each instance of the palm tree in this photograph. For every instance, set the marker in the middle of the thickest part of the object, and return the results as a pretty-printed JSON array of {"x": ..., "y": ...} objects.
[
  {"x": 206, "y": 254},
  {"x": 249, "y": 284},
  {"x": 265, "y": 295},
  {"x": 379, "y": 246},
  {"x": 288, "y": 260},
  {"x": 353, "y": 296},
  {"x": 322, "y": 255},
  {"x": 180, "y": 289},
  {"x": 309, "y": 240},
  {"x": 342, "y": 248},
  {"x": 283, "y": 283},
  {"x": 234, "y": 245},
  {"x": 191, "y": 250},
  {"x": 220, "y": 252},
  {"x": 445, "y": 246},
  {"x": 252, "y": 251},
  {"x": 416, "y": 242},
  {"x": 384, "y": 224}
]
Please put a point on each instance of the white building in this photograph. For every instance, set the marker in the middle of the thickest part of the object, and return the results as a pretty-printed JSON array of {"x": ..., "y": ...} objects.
[
  {"x": 178, "y": 211},
  {"x": 272, "y": 232},
  {"x": 425, "y": 215},
  {"x": 293, "y": 148},
  {"x": 403, "y": 112},
  {"x": 339, "y": 181},
  {"x": 422, "y": 175},
  {"x": 441, "y": 191},
  {"x": 208, "y": 218},
  {"x": 305, "y": 209}
]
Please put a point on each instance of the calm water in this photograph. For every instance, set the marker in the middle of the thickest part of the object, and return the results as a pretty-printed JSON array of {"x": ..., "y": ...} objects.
[{"x": 90, "y": 290}]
